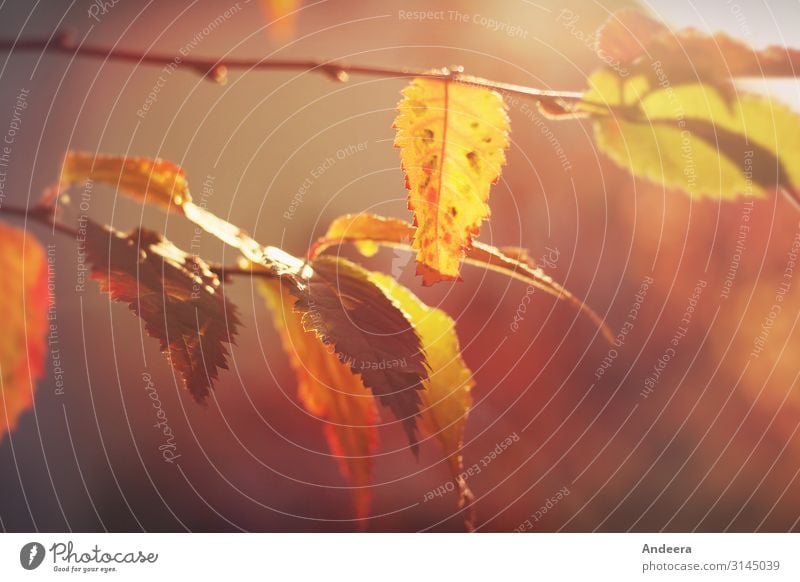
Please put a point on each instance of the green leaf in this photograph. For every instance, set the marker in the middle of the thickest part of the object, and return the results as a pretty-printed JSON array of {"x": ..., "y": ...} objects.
[{"x": 695, "y": 138}]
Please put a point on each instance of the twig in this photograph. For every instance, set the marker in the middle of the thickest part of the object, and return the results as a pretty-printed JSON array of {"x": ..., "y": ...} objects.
[
  {"x": 46, "y": 215},
  {"x": 215, "y": 69},
  {"x": 222, "y": 272},
  {"x": 41, "y": 214}
]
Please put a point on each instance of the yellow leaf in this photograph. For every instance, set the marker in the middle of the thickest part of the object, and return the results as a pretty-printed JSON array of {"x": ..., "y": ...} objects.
[
  {"x": 361, "y": 228},
  {"x": 452, "y": 139},
  {"x": 446, "y": 399},
  {"x": 393, "y": 232},
  {"x": 147, "y": 180},
  {"x": 165, "y": 184},
  {"x": 364, "y": 326},
  {"x": 23, "y": 311},
  {"x": 332, "y": 389},
  {"x": 329, "y": 390},
  {"x": 696, "y": 137},
  {"x": 340, "y": 303}
]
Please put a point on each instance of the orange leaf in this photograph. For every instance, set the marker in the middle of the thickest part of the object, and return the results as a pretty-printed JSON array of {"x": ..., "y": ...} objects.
[
  {"x": 365, "y": 327},
  {"x": 331, "y": 387},
  {"x": 147, "y": 180},
  {"x": 452, "y": 139},
  {"x": 344, "y": 309},
  {"x": 329, "y": 390},
  {"x": 446, "y": 400},
  {"x": 23, "y": 311},
  {"x": 511, "y": 261}
]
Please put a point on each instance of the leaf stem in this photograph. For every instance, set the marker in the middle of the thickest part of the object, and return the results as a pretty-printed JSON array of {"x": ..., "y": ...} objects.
[{"x": 215, "y": 69}]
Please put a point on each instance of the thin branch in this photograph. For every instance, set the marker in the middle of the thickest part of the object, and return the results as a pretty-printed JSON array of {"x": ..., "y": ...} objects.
[
  {"x": 216, "y": 69},
  {"x": 46, "y": 215},
  {"x": 42, "y": 214},
  {"x": 222, "y": 272}
]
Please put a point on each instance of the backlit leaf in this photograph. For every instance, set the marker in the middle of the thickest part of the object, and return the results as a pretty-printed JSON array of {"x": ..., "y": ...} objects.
[
  {"x": 446, "y": 399},
  {"x": 338, "y": 302},
  {"x": 153, "y": 181},
  {"x": 23, "y": 311},
  {"x": 330, "y": 390},
  {"x": 349, "y": 314},
  {"x": 179, "y": 299},
  {"x": 393, "y": 232},
  {"x": 452, "y": 139},
  {"x": 690, "y": 137},
  {"x": 330, "y": 386},
  {"x": 367, "y": 329},
  {"x": 671, "y": 113}
]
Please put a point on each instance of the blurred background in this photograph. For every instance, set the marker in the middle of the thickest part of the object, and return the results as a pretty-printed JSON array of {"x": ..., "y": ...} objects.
[{"x": 706, "y": 441}]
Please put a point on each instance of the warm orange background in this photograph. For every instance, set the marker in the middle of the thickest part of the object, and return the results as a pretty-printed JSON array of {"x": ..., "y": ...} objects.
[{"x": 714, "y": 446}]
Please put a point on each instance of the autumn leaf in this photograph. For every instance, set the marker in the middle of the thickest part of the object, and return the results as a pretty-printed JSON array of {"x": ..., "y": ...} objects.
[
  {"x": 446, "y": 399},
  {"x": 356, "y": 320},
  {"x": 346, "y": 312},
  {"x": 452, "y": 139},
  {"x": 23, "y": 311},
  {"x": 367, "y": 330},
  {"x": 671, "y": 114},
  {"x": 370, "y": 229},
  {"x": 331, "y": 387},
  {"x": 637, "y": 42},
  {"x": 176, "y": 295},
  {"x": 330, "y": 390},
  {"x": 147, "y": 180},
  {"x": 340, "y": 305},
  {"x": 159, "y": 182},
  {"x": 351, "y": 315}
]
